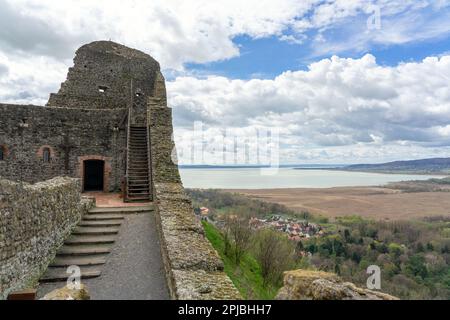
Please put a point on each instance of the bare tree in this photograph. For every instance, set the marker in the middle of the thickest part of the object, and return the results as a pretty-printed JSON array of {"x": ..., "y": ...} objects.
[
  {"x": 275, "y": 254},
  {"x": 240, "y": 232}
]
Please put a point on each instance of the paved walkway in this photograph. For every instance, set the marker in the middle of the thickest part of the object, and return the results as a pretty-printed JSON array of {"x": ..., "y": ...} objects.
[
  {"x": 133, "y": 270},
  {"x": 107, "y": 200}
]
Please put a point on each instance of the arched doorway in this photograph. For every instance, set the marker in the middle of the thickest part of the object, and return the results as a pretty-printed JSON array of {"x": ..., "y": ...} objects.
[{"x": 94, "y": 175}]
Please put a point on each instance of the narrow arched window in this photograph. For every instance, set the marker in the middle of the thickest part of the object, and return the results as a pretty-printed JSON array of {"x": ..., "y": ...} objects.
[
  {"x": 2, "y": 153},
  {"x": 46, "y": 155}
]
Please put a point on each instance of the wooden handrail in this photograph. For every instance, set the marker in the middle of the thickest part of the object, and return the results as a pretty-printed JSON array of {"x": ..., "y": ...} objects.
[{"x": 127, "y": 158}]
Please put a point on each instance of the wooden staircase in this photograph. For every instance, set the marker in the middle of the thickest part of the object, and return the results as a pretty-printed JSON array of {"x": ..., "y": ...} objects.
[{"x": 138, "y": 181}]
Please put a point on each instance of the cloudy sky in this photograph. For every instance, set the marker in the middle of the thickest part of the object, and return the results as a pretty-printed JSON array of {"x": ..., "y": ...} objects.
[{"x": 343, "y": 81}]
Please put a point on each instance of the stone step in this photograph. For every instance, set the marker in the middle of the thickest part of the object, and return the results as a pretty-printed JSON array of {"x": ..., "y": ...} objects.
[
  {"x": 121, "y": 210},
  {"x": 89, "y": 239},
  {"x": 88, "y": 260},
  {"x": 99, "y": 223},
  {"x": 83, "y": 250},
  {"x": 60, "y": 274},
  {"x": 103, "y": 216},
  {"x": 95, "y": 230}
]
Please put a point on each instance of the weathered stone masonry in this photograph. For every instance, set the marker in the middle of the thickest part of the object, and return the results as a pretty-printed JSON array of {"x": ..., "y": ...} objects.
[
  {"x": 86, "y": 120},
  {"x": 194, "y": 270},
  {"x": 89, "y": 134},
  {"x": 110, "y": 89},
  {"x": 34, "y": 221}
]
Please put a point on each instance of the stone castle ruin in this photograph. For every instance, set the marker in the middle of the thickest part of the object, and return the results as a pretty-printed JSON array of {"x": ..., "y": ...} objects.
[
  {"x": 107, "y": 129},
  {"x": 95, "y": 128}
]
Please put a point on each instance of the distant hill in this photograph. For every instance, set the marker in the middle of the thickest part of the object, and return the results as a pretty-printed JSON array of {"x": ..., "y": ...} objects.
[{"x": 433, "y": 165}]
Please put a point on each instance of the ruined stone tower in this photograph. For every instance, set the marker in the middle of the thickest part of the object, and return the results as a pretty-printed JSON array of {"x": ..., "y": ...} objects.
[
  {"x": 97, "y": 127},
  {"x": 109, "y": 126}
]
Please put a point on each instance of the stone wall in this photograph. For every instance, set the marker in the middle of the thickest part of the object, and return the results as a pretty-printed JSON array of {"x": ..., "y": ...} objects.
[
  {"x": 106, "y": 75},
  {"x": 193, "y": 268},
  {"x": 34, "y": 221},
  {"x": 318, "y": 285},
  {"x": 26, "y": 130}
]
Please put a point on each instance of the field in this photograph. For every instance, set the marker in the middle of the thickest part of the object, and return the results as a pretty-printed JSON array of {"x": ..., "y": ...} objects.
[{"x": 396, "y": 202}]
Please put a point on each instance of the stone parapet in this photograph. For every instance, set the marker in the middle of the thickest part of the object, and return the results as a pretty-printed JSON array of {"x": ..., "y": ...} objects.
[
  {"x": 34, "y": 221},
  {"x": 193, "y": 268}
]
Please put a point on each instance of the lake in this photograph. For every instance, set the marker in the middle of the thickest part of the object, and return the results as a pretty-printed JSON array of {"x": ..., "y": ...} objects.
[{"x": 251, "y": 178}]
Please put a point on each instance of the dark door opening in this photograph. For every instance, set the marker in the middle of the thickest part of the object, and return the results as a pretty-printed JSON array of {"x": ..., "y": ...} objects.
[{"x": 93, "y": 175}]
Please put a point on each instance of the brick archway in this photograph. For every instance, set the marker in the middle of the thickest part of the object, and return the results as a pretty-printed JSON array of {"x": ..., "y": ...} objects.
[
  {"x": 40, "y": 152},
  {"x": 106, "y": 173}
]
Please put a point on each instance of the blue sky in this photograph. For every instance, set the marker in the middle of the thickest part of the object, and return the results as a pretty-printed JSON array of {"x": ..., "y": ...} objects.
[
  {"x": 269, "y": 57},
  {"x": 343, "y": 81}
]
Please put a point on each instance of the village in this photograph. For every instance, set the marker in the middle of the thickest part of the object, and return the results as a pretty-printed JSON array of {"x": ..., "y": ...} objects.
[{"x": 296, "y": 230}]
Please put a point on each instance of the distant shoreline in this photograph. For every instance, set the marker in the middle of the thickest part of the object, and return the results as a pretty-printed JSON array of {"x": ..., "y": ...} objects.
[{"x": 410, "y": 172}]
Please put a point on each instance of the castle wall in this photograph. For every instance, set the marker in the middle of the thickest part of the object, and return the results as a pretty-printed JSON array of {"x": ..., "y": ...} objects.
[
  {"x": 193, "y": 268},
  {"x": 34, "y": 221},
  {"x": 25, "y": 131},
  {"x": 106, "y": 75}
]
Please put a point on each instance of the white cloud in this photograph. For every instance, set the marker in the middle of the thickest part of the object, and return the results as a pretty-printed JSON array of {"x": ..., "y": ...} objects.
[
  {"x": 338, "y": 109},
  {"x": 349, "y": 108}
]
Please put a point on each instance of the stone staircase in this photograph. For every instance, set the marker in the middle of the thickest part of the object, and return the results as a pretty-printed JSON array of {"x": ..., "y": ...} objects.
[
  {"x": 138, "y": 188},
  {"x": 90, "y": 243}
]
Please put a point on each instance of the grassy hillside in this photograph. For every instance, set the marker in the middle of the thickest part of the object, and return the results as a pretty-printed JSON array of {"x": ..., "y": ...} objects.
[
  {"x": 414, "y": 256},
  {"x": 247, "y": 275}
]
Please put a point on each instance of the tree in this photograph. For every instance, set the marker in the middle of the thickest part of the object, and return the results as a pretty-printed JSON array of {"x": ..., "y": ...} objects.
[
  {"x": 275, "y": 254},
  {"x": 416, "y": 266},
  {"x": 240, "y": 232}
]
